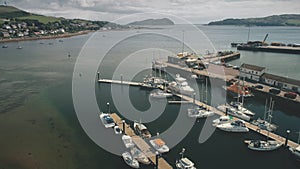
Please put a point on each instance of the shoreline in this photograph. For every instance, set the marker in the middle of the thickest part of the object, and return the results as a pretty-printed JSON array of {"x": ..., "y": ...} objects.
[{"x": 65, "y": 35}]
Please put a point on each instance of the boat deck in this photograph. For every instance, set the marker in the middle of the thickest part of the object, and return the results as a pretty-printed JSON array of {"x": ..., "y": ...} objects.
[{"x": 141, "y": 144}]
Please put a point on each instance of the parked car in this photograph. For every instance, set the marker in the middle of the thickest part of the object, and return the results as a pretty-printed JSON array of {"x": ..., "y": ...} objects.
[
  {"x": 274, "y": 90},
  {"x": 290, "y": 95},
  {"x": 258, "y": 87}
]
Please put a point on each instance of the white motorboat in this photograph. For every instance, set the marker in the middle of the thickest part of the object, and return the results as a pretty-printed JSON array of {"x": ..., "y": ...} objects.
[
  {"x": 233, "y": 112},
  {"x": 198, "y": 112},
  {"x": 130, "y": 161},
  {"x": 222, "y": 120},
  {"x": 139, "y": 156},
  {"x": 184, "y": 162},
  {"x": 159, "y": 145},
  {"x": 106, "y": 120},
  {"x": 159, "y": 94},
  {"x": 235, "y": 126},
  {"x": 180, "y": 85},
  {"x": 295, "y": 151},
  {"x": 141, "y": 129},
  {"x": 239, "y": 106},
  {"x": 265, "y": 125},
  {"x": 127, "y": 140},
  {"x": 117, "y": 130},
  {"x": 261, "y": 145}
]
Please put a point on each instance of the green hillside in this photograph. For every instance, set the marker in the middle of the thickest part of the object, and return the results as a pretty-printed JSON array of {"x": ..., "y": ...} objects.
[
  {"x": 10, "y": 12},
  {"x": 274, "y": 20}
]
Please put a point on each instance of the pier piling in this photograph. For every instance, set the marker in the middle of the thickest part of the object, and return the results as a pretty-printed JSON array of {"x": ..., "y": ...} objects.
[
  {"x": 156, "y": 159},
  {"x": 287, "y": 137},
  {"x": 123, "y": 122},
  {"x": 98, "y": 75}
]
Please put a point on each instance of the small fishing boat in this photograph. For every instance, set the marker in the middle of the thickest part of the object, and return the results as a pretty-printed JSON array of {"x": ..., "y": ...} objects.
[
  {"x": 106, "y": 120},
  {"x": 127, "y": 140},
  {"x": 117, "y": 130},
  {"x": 130, "y": 161},
  {"x": 139, "y": 155},
  {"x": 184, "y": 162},
  {"x": 159, "y": 145},
  {"x": 141, "y": 129},
  {"x": 261, "y": 145}
]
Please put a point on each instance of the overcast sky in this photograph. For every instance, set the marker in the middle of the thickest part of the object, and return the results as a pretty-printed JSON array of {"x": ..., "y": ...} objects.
[{"x": 195, "y": 11}]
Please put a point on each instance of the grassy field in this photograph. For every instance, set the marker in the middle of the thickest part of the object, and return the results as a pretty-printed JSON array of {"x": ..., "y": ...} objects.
[
  {"x": 7, "y": 9},
  {"x": 42, "y": 19}
]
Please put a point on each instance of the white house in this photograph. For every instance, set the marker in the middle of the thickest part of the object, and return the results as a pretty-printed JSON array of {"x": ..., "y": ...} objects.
[
  {"x": 281, "y": 82},
  {"x": 251, "y": 72}
]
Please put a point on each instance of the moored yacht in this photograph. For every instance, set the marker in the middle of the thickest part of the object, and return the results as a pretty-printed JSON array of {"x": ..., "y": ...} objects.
[
  {"x": 233, "y": 112},
  {"x": 142, "y": 130},
  {"x": 127, "y": 140},
  {"x": 199, "y": 112},
  {"x": 106, "y": 120},
  {"x": 159, "y": 145},
  {"x": 235, "y": 126},
  {"x": 261, "y": 145},
  {"x": 139, "y": 156},
  {"x": 181, "y": 86},
  {"x": 222, "y": 120},
  {"x": 184, "y": 162},
  {"x": 130, "y": 161},
  {"x": 239, "y": 106},
  {"x": 159, "y": 94},
  {"x": 265, "y": 125}
]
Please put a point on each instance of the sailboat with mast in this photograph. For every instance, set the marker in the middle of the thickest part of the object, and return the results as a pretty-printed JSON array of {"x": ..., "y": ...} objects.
[
  {"x": 200, "y": 112},
  {"x": 264, "y": 123},
  {"x": 296, "y": 150},
  {"x": 264, "y": 145}
]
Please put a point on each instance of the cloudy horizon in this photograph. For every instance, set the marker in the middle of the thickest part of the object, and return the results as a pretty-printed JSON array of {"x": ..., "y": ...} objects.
[{"x": 194, "y": 11}]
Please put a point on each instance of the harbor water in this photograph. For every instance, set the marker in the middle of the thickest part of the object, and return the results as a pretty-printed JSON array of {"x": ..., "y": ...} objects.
[{"x": 39, "y": 127}]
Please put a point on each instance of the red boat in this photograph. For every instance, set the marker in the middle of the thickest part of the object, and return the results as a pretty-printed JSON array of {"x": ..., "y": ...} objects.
[{"x": 237, "y": 91}]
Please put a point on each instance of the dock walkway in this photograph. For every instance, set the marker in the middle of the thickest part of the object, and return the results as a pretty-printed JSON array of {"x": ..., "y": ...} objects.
[
  {"x": 122, "y": 82},
  {"x": 141, "y": 144},
  {"x": 249, "y": 125}
]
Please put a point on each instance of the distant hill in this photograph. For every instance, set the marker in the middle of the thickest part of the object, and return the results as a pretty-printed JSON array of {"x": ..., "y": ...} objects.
[
  {"x": 163, "y": 21},
  {"x": 274, "y": 20},
  {"x": 10, "y": 12}
]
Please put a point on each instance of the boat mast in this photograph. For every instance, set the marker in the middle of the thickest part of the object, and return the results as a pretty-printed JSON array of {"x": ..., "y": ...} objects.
[
  {"x": 248, "y": 34},
  {"x": 182, "y": 50},
  {"x": 265, "y": 114},
  {"x": 243, "y": 91}
]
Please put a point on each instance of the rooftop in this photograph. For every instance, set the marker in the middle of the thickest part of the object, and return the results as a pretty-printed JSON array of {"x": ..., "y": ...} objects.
[
  {"x": 252, "y": 67},
  {"x": 281, "y": 79}
]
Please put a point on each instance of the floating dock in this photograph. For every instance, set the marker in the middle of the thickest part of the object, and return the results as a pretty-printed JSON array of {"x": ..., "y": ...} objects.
[
  {"x": 249, "y": 125},
  {"x": 274, "y": 49},
  {"x": 141, "y": 144},
  {"x": 122, "y": 82}
]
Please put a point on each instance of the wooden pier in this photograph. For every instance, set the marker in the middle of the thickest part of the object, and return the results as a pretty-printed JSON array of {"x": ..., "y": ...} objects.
[
  {"x": 141, "y": 144},
  {"x": 249, "y": 125},
  {"x": 121, "y": 82}
]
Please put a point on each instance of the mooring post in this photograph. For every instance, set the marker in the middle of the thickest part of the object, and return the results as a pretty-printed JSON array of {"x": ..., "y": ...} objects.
[
  {"x": 121, "y": 79},
  {"x": 287, "y": 137},
  {"x": 156, "y": 159},
  {"x": 108, "y": 107},
  {"x": 123, "y": 122},
  {"x": 98, "y": 75}
]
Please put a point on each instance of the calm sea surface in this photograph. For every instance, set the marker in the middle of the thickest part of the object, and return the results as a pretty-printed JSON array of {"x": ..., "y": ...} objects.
[{"x": 39, "y": 127}]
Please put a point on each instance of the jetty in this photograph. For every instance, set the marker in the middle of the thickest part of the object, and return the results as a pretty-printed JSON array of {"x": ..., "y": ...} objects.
[
  {"x": 249, "y": 125},
  {"x": 274, "y": 49},
  {"x": 140, "y": 143},
  {"x": 122, "y": 82}
]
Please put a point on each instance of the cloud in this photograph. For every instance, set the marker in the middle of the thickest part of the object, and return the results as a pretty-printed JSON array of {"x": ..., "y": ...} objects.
[{"x": 197, "y": 11}]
